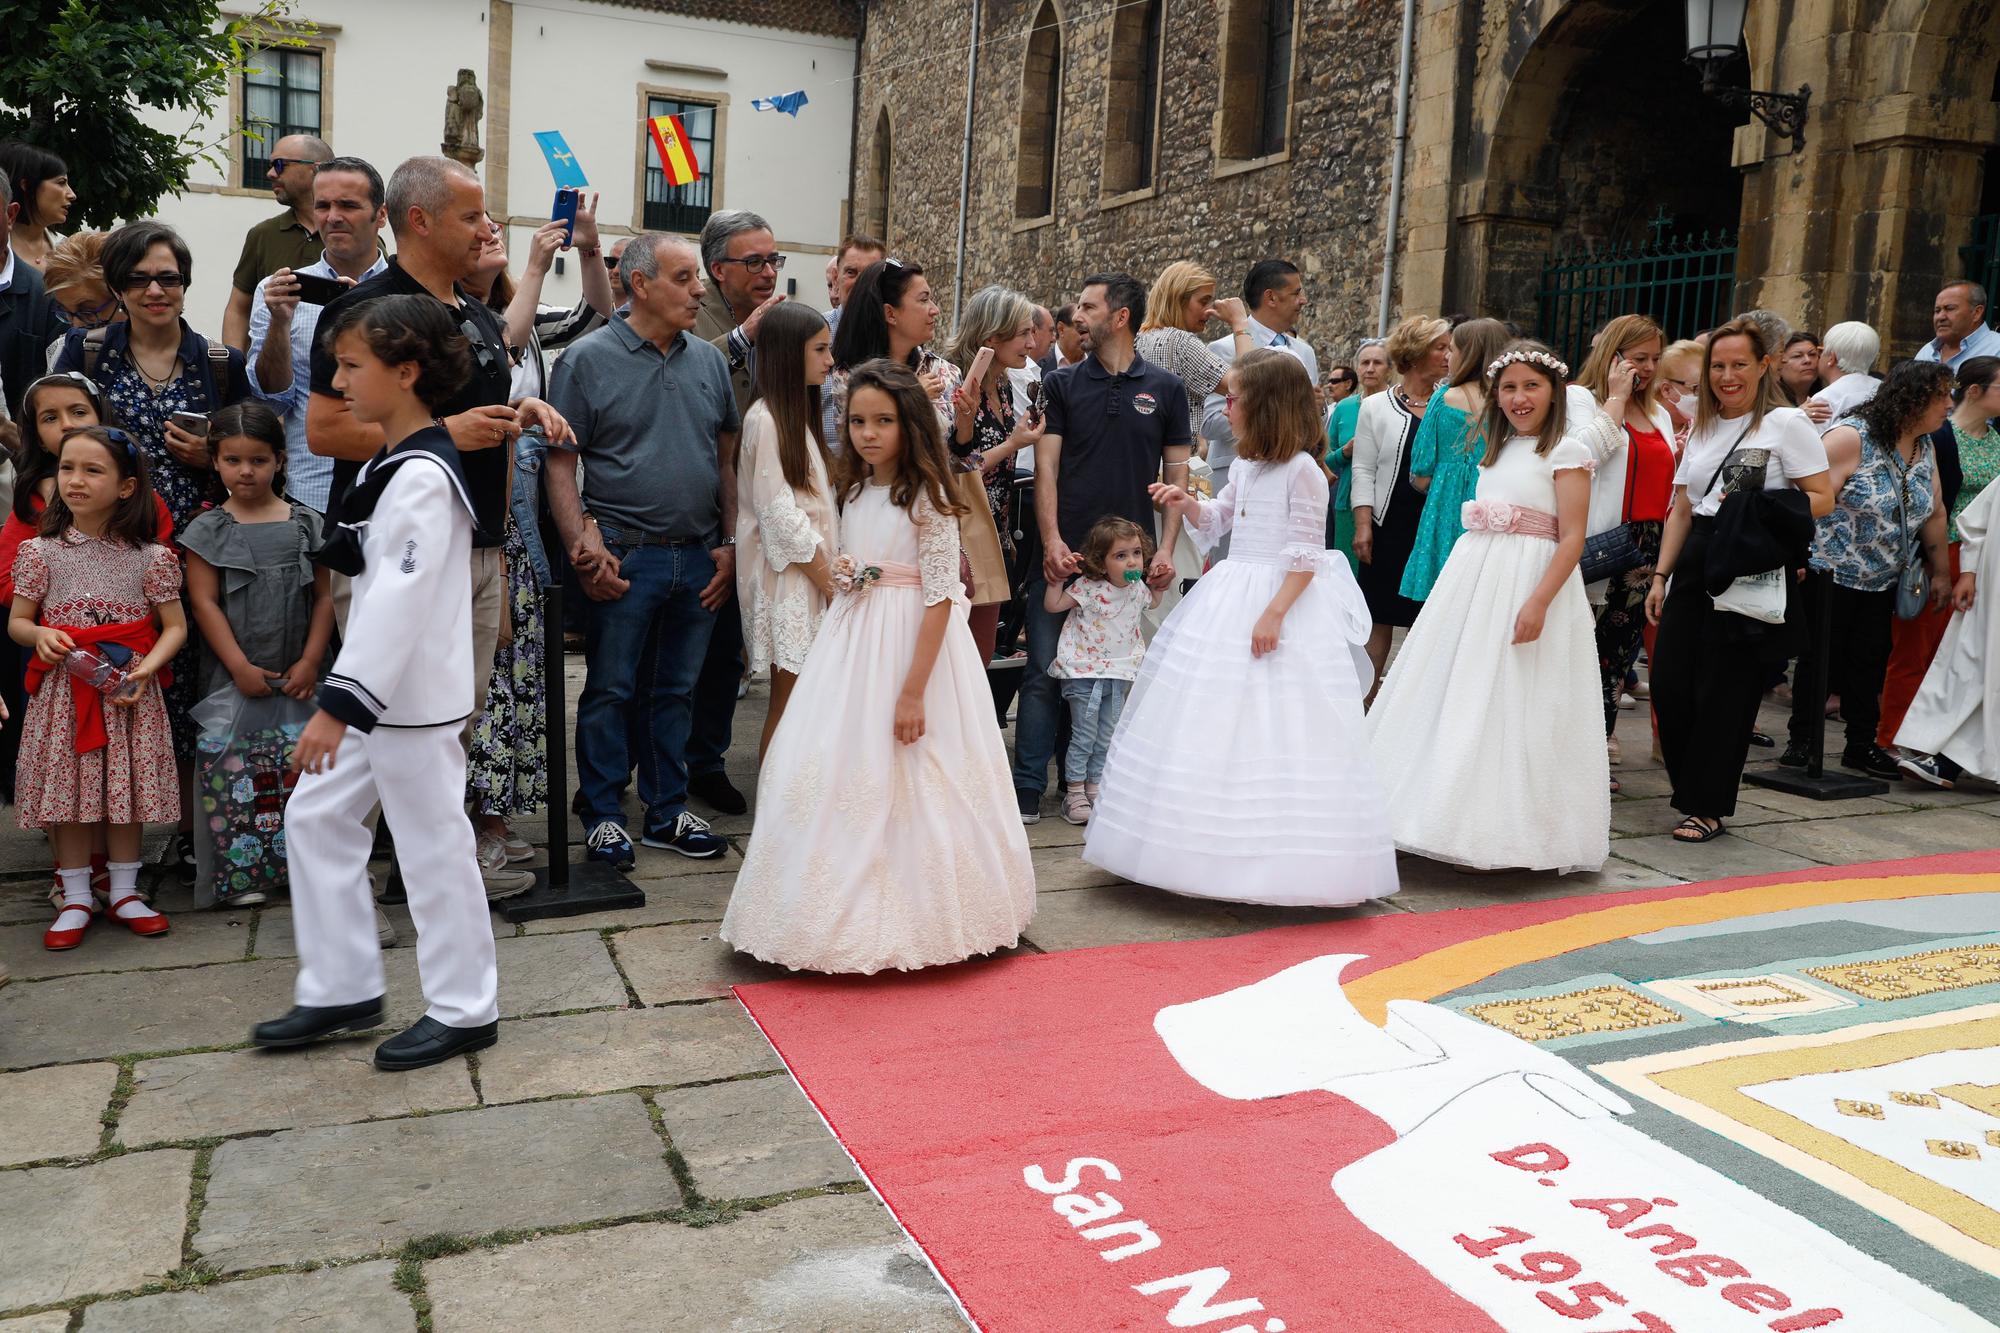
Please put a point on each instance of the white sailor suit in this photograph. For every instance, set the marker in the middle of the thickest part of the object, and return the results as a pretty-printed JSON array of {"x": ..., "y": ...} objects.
[{"x": 403, "y": 685}]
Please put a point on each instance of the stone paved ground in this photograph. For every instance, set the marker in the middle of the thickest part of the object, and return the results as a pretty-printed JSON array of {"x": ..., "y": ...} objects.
[{"x": 629, "y": 1155}]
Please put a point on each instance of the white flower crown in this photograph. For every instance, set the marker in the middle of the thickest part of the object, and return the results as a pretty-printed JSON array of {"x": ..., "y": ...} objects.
[{"x": 1533, "y": 356}]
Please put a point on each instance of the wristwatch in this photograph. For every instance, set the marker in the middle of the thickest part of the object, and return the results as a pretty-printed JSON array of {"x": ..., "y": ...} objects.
[{"x": 726, "y": 541}]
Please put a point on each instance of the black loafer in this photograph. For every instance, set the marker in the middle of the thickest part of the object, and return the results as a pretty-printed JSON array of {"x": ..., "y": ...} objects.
[
  {"x": 308, "y": 1023},
  {"x": 716, "y": 791},
  {"x": 429, "y": 1042}
]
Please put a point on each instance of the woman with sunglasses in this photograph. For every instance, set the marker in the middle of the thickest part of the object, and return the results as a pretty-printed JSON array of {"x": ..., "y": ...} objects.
[{"x": 151, "y": 365}]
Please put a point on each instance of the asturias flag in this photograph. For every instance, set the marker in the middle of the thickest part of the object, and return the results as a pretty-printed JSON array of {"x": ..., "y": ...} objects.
[
  {"x": 562, "y": 162},
  {"x": 670, "y": 137}
]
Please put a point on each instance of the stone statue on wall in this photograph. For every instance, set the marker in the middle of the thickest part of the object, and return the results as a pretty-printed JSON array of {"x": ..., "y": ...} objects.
[{"x": 464, "y": 104}]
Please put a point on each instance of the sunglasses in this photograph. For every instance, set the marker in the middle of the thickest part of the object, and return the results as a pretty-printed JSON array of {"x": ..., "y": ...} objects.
[
  {"x": 611, "y": 263},
  {"x": 169, "y": 282},
  {"x": 279, "y": 164}
]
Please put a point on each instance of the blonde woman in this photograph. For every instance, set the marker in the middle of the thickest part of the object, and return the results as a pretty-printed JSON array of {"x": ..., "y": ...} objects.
[
  {"x": 986, "y": 431},
  {"x": 1178, "y": 309},
  {"x": 1388, "y": 506},
  {"x": 74, "y": 279}
]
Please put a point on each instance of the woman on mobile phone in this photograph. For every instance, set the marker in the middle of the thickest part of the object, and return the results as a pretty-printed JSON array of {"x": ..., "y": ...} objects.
[{"x": 151, "y": 366}]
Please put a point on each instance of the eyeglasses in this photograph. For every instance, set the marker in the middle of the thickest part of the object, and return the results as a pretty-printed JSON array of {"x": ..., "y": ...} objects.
[
  {"x": 93, "y": 316},
  {"x": 139, "y": 282},
  {"x": 757, "y": 263}
]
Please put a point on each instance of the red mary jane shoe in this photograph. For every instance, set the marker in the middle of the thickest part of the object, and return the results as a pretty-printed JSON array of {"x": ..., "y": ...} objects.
[
  {"x": 58, "y": 940},
  {"x": 156, "y": 924}
]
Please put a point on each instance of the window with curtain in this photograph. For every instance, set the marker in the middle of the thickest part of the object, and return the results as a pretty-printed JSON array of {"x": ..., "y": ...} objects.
[{"x": 281, "y": 96}]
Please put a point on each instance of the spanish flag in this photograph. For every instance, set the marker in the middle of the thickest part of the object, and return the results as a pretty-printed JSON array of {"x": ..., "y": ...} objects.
[{"x": 670, "y": 139}]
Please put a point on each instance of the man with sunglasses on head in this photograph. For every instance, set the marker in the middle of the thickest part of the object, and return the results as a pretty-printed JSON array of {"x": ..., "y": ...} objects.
[
  {"x": 29, "y": 321},
  {"x": 437, "y": 210},
  {"x": 350, "y": 207},
  {"x": 288, "y": 240}
]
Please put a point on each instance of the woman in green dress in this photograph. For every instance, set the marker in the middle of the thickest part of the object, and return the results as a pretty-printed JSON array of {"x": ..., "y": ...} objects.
[
  {"x": 1444, "y": 458},
  {"x": 1371, "y": 365}
]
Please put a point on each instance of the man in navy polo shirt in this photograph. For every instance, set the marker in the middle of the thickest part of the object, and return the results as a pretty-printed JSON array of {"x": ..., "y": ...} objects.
[{"x": 1115, "y": 423}]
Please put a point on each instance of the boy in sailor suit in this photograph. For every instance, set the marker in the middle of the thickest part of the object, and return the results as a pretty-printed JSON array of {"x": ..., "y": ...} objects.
[{"x": 390, "y": 713}]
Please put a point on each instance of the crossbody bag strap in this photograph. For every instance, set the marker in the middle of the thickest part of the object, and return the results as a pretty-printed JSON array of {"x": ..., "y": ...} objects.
[{"x": 1727, "y": 455}]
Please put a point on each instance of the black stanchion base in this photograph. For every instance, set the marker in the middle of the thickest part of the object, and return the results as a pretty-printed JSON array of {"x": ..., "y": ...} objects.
[
  {"x": 1825, "y": 787},
  {"x": 592, "y": 887}
]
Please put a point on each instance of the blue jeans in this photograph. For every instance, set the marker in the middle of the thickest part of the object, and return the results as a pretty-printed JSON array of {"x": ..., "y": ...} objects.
[
  {"x": 665, "y": 595},
  {"x": 1038, "y": 715},
  {"x": 715, "y": 691},
  {"x": 1094, "y": 706}
]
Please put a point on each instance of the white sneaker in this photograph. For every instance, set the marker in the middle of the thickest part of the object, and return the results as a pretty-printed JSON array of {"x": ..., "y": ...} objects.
[
  {"x": 506, "y": 883},
  {"x": 250, "y": 899},
  {"x": 385, "y": 930},
  {"x": 492, "y": 852},
  {"x": 1627, "y": 702}
]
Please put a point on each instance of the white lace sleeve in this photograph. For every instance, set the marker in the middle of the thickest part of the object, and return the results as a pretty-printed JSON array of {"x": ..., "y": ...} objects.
[
  {"x": 784, "y": 529},
  {"x": 1214, "y": 518},
  {"x": 937, "y": 553},
  {"x": 1592, "y": 425},
  {"x": 1305, "y": 516}
]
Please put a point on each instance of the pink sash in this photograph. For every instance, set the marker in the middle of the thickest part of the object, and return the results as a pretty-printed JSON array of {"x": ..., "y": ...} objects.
[{"x": 1499, "y": 516}]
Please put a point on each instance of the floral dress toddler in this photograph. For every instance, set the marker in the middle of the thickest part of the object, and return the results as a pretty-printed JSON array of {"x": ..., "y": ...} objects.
[{"x": 1097, "y": 658}]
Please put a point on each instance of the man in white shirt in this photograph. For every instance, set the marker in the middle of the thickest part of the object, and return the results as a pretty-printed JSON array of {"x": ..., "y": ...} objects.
[
  {"x": 1960, "y": 320},
  {"x": 1068, "y": 339},
  {"x": 1846, "y": 356},
  {"x": 1275, "y": 297},
  {"x": 348, "y": 204}
]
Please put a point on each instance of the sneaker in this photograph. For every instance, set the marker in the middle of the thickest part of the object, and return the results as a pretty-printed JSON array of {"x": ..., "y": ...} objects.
[
  {"x": 610, "y": 844},
  {"x": 1627, "y": 702},
  {"x": 1925, "y": 768},
  {"x": 690, "y": 836},
  {"x": 1642, "y": 691},
  {"x": 1030, "y": 805},
  {"x": 717, "y": 792},
  {"x": 385, "y": 929},
  {"x": 518, "y": 848},
  {"x": 1611, "y": 750},
  {"x": 1795, "y": 756},
  {"x": 506, "y": 883},
  {"x": 250, "y": 899},
  {"x": 1872, "y": 760},
  {"x": 492, "y": 852},
  {"x": 1076, "y": 806}
]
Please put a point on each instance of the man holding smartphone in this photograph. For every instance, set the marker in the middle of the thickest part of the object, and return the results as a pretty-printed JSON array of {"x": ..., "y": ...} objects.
[{"x": 284, "y": 314}]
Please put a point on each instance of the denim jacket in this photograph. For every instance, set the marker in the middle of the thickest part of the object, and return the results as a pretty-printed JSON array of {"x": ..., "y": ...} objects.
[{"x": 530, "y": 449}]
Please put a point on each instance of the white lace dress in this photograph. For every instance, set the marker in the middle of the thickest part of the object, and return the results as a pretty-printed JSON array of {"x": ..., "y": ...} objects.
[
  {"x": 777, "y": 530},
  {"x": 1248, "y": 778},
  {"x": 1492, "y": 752},
  {"x": 866, "y": 853}
]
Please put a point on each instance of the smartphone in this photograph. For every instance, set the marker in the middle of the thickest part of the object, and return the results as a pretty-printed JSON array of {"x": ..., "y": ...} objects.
[
  {"x": 980, "y": 365},
  {"x": 194, "y": 423},
  {"x": 315, "y": 290},
  {"x": 565, "y": 212}
]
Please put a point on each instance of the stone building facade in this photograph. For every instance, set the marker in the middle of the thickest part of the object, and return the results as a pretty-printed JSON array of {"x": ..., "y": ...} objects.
[{"x": 1536, "y": 128}]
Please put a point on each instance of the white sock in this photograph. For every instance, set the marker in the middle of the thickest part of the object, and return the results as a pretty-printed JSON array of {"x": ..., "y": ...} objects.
[
  {"x": 76, "y": 899},
  {"x": 125, "y": 884}
]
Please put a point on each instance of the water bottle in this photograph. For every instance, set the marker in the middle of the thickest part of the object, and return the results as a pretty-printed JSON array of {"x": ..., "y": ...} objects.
[{"x": 95, "y": 670}]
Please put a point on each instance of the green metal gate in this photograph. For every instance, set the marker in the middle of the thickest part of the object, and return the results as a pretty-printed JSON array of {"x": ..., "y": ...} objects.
[
  {"x": 1686, "y": 283},
  {"x": 1982, "y": 257}
]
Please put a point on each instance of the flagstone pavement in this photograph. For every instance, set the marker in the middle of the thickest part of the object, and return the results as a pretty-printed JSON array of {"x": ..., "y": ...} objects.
[{"x": 630, "y": 1155}]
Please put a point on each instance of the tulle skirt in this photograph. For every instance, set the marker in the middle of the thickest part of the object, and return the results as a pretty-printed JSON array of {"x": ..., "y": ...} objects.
[
  {"x": 868, "y": 853},
  {"x": 1492, "y": 752},
  {"x": 1245, "y": 778}
]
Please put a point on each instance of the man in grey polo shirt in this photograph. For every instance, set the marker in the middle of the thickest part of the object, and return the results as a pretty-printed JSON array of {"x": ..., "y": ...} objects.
[{"x": 651, "y": 536}]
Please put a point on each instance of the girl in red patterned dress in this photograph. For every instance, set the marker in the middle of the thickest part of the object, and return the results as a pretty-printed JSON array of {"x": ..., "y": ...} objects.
[{"x": 97, "y": 577}]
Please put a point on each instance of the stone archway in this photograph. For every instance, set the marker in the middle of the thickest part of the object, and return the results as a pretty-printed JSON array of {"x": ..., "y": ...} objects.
[{"x": 1576, "y": 121}]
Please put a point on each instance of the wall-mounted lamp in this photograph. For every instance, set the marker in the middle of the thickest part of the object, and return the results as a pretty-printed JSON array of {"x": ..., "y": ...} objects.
[{"x": 1715, "y": 35}]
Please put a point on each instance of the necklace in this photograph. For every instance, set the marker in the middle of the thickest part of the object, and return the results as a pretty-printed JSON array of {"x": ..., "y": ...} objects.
[{"x": 155, "y": 382}]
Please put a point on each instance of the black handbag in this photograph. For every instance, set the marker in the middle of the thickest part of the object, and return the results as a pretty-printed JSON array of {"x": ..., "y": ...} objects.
[{"x": 1615, "y": 550}]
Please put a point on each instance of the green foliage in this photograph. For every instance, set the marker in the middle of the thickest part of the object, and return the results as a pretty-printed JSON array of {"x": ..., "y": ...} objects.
[{"x": 74, "y": 74}]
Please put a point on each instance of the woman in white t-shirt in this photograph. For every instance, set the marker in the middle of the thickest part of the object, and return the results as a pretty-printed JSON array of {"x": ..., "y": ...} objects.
[{"x": 1712, "y": 664}]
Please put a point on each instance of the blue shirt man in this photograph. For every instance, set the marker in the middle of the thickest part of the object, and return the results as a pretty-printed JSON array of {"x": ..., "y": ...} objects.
[{"x": 1960, "y": 320}]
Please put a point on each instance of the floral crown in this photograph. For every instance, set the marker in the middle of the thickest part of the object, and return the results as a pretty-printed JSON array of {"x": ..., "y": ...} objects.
[{"x": 1531, "y": 355}]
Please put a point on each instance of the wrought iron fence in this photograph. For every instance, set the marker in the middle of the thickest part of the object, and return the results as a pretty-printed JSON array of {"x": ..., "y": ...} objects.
[
  {"x": 1982, "y": 257},
  {"x": 1686, "y": 283}
]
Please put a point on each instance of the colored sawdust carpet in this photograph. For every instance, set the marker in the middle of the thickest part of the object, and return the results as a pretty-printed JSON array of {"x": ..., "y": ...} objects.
[{"x": 1769, "y": 1103}]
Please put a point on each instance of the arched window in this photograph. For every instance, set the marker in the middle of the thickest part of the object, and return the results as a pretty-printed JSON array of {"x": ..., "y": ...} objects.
[
  {"x": 1132, "y": 108},
  {"x": 878, "y": 179},
  {"x": 1041, "y": 105},
  {"x": 1256, "y": 77}
]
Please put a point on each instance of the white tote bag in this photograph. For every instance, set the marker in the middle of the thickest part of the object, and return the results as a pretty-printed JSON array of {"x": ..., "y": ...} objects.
[{"x": 1758, "y": 596}]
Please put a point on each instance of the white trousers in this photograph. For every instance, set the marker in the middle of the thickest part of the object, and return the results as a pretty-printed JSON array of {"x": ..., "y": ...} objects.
[{"x": 418, "y": 775}]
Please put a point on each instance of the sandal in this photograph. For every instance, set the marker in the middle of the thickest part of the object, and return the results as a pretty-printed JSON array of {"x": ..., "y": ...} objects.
[{"x": 1701, "y": 832}]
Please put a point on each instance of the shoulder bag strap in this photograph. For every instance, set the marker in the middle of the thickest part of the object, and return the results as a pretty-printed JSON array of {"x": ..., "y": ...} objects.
[
  {"x": 1726, "y": 456},
  {"x": 93, "y": 350}
]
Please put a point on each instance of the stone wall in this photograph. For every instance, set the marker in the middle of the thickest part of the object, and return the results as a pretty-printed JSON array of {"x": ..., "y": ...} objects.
[{"x": 1323, "y": 206}]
